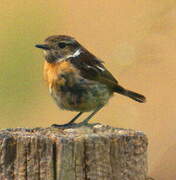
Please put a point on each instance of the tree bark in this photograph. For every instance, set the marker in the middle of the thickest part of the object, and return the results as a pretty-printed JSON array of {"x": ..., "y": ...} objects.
[{"x": 87, "y": 153}]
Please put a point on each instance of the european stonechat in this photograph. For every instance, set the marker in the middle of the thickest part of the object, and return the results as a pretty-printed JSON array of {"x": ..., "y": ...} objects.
[{"x": 78, "y": 80}]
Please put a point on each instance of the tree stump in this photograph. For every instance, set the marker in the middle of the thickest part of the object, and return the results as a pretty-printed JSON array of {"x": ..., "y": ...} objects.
[{"x": 87, "y": 153}]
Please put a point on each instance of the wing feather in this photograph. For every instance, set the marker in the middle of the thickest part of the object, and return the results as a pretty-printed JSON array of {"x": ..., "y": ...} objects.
[{"x": 92, "y": 68}]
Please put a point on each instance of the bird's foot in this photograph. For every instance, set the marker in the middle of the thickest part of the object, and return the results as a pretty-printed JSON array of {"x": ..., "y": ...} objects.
[
  {"x": 64, "y": 126},
  {"x": 73, "y": 125},
  {"x": 86, "y": 124}
]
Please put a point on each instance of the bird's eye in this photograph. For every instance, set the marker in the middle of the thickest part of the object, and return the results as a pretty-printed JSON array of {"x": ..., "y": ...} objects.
[{"x": 61, "y": 45}]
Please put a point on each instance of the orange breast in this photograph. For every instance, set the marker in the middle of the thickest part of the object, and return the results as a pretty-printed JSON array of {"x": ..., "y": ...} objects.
[{"x": 52, "y": 72}]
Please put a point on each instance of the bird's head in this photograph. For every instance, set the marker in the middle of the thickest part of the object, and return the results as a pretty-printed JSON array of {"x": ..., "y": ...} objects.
[{"x": 60, "y": 47}]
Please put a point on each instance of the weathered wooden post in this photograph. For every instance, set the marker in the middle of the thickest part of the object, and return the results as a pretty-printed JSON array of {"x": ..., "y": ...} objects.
[{"x": 86, "y": 153}]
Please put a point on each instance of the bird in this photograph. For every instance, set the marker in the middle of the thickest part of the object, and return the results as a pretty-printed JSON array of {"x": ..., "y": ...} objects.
[{"x": 77, "y": 80}]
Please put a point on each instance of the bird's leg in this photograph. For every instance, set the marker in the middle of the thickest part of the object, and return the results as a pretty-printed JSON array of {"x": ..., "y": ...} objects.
[
  {"x": 69, "y": 124},
  {"x": 85, "y": 121},
  {"x": 75, "y": 118}
]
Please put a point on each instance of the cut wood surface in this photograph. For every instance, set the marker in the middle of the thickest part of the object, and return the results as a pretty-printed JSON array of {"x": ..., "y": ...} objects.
[{"x": 86, "y": 153}]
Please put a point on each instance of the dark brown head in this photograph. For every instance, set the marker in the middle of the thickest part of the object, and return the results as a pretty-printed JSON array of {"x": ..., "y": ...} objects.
[{"x": 59, "y": 47}]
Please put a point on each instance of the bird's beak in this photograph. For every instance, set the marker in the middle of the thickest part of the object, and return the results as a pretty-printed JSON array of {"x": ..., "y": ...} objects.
[{"x": 42, "y": 46}]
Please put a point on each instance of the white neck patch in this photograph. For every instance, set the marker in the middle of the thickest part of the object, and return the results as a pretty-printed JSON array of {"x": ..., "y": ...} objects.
[{"x": 77, "y": 53}]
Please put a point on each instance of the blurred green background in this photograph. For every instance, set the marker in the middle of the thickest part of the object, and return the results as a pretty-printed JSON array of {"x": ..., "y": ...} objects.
[{"x": 137, "y": 41}]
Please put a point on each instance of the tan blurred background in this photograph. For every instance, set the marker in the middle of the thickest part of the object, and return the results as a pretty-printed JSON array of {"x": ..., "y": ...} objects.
[{"x": 137, "y": 41}]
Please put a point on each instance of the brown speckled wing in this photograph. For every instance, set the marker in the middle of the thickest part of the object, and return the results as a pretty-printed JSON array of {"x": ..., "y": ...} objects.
[{"x": 91, "y": 68}]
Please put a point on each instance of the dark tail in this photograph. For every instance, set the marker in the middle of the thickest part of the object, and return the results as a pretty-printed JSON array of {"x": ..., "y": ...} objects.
[{"x": 133, "y": 95}]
